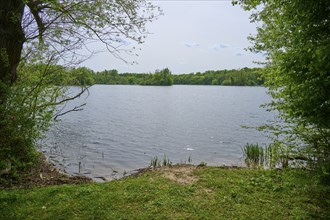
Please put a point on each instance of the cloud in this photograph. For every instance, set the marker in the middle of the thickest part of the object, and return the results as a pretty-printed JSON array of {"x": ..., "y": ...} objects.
[
  {"x": 191, "y": 44},
  {"x": 219, "y": 46},
  {"x": 240, "y": 52},
  {"x": 121, "y": 41},
  {"x": 222, "y": 45}
]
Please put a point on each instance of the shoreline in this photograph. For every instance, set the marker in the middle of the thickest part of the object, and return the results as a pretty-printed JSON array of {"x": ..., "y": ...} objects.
[
  {"x": 192, "y": 192},
  {"x": 45, "y": 173},
  {"x": 41, "y": 174}
]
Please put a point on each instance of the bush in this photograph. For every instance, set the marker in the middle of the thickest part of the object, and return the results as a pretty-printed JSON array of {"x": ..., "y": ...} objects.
[{"x": 25, "y": 113}]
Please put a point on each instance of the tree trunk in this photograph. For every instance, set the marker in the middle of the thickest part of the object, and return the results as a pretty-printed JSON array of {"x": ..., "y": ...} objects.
[{"x": 11, "y": 42}]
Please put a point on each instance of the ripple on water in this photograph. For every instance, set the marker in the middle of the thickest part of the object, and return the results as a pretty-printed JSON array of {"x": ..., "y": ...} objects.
[{"x": 123, "y": 127}]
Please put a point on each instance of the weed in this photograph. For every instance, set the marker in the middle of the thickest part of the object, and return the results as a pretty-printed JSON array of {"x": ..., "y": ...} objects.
[
  {"x": 256, "y": 155},
  {"x": 166, "y": 161},
  {"x": 156, "y": 162},
  {"x": 272, "y": 156},
  {"x": 202, "y": 164},
  {"x": 189, "y": 159}
]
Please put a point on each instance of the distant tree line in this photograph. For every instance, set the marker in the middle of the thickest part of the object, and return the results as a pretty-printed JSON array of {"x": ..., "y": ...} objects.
[
  {"x": 240, "y": 77},
  {"x": 84, "y": 76},
  {"x": 112, "y": 77}
]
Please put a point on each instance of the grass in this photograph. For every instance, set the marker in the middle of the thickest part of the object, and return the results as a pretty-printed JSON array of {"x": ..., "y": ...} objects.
[{"x": 218, "y": 193}]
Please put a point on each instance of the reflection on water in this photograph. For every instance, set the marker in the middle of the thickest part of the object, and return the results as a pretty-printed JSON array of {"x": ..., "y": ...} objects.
[{"x": 122, "y": 127}]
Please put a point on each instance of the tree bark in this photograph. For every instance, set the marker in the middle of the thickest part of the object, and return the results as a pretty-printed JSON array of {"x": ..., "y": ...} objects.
[{"x": 11, "y": 42}]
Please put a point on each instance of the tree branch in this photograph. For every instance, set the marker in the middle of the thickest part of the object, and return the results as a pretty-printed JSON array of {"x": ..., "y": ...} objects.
[
  {"x": 33, "y": 6},
  {"x": 75, "y": 109}
]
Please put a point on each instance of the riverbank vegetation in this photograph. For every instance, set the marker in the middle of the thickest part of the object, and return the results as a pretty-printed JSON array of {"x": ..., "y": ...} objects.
[
  {"x": 238, "y": 77},
  {"x": 37, "y": 36},
  {"x": 83, "y": 76},
  {"x": 294, "y": 37},
  {"x": 159, "y": 78},
  {"x": 179, "y": 192}
]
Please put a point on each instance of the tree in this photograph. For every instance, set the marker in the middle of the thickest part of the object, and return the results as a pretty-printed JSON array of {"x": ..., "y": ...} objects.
[
  {"x": 295, "y": 37},
  {"x": 83, "y": 76},
  {"x": 65, "y": 26},
  {"x": 47, "y": 32},
  {"x": 165, "y": 77}
]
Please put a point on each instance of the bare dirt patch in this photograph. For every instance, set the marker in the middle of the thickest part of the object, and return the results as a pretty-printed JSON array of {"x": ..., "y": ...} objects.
[{"x": 182, "y": 174}]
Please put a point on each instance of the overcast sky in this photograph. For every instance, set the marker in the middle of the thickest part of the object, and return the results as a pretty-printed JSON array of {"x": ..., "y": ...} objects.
[{"x": 192, "y": 36}]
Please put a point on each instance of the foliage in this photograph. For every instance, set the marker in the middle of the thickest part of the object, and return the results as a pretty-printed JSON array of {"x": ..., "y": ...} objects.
[
  {"x": 219, "y": 193},
  {"x": 254, "y": 155},
  {"x": 275, "y": 155},
  {"x": 42, "y": 34},
  {"x": 27, "y": 113},
  {"x": 155, "y": 162},
  {"x": 166, "y": 161},
  {"x": 81, "y": 76},
  {"x": 202, "y": 164},
  {"x": 84, "y": 76},
  {"x": 240, "y": 77},
  {"x": 294, "y": 35},
  {"x": 160, "y": 78},
  {"x": 67, "y": 26}
]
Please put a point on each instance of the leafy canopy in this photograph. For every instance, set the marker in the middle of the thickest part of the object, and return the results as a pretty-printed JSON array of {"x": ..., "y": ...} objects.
[
  {"x": 295, "y": 35},
  {"x": 35, "y": 35},
  {"x": 70, "y": 25},
  {"x": 295, "y": 38}
]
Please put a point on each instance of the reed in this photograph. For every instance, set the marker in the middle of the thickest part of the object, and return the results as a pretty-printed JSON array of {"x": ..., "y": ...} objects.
[
  {"x": 155, "y": 162},
  {"x": 166, "y": 161},
  {"x": 256, "y": 155},
  {"x": 189, "y": 159}
]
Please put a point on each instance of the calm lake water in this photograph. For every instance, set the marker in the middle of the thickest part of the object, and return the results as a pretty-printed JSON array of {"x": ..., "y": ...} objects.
[{"x": 122, "y": 127}]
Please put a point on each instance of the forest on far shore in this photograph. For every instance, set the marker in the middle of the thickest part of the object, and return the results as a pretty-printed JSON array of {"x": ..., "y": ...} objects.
[{"x": 85, "y": 76}]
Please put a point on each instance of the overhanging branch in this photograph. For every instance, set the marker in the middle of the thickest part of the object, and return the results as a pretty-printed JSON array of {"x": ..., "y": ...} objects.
[{"x": 75, "y": 109}]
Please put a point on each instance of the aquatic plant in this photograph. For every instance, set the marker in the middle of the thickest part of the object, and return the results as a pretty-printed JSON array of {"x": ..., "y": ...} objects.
[
  {"x": 202, "y": 164},
  {"x": 155, "y": 162},
  {"x": 274, "y": 155},
  {"x": 166, "y": 161},
  {"x": 256, "y": 155},
  {"x": 189, "y": 159}
]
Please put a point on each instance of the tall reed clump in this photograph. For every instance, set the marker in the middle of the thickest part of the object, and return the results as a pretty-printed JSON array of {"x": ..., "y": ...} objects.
[
  {"x": 155, "y": 162},
  {"x": 260, "y": 156},
  {"x": 273, "y": 156}
]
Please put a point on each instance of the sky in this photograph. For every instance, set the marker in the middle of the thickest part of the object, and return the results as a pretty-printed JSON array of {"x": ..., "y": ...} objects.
[{"x": 191, "y": 36}]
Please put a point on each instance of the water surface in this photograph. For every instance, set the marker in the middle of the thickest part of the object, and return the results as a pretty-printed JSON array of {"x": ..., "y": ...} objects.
[{"x": 122, "y": 127}]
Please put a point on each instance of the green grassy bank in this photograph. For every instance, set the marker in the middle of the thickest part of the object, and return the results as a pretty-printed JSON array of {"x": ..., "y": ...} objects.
[{"x": 184, "y": 192}]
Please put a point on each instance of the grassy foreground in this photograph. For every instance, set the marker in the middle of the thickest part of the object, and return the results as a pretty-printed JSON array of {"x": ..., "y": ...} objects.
[{"x": 184, "y": 192}]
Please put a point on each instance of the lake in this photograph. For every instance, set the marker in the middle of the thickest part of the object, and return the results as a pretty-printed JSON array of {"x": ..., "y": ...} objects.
[{"x": 123, "y": 127}]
